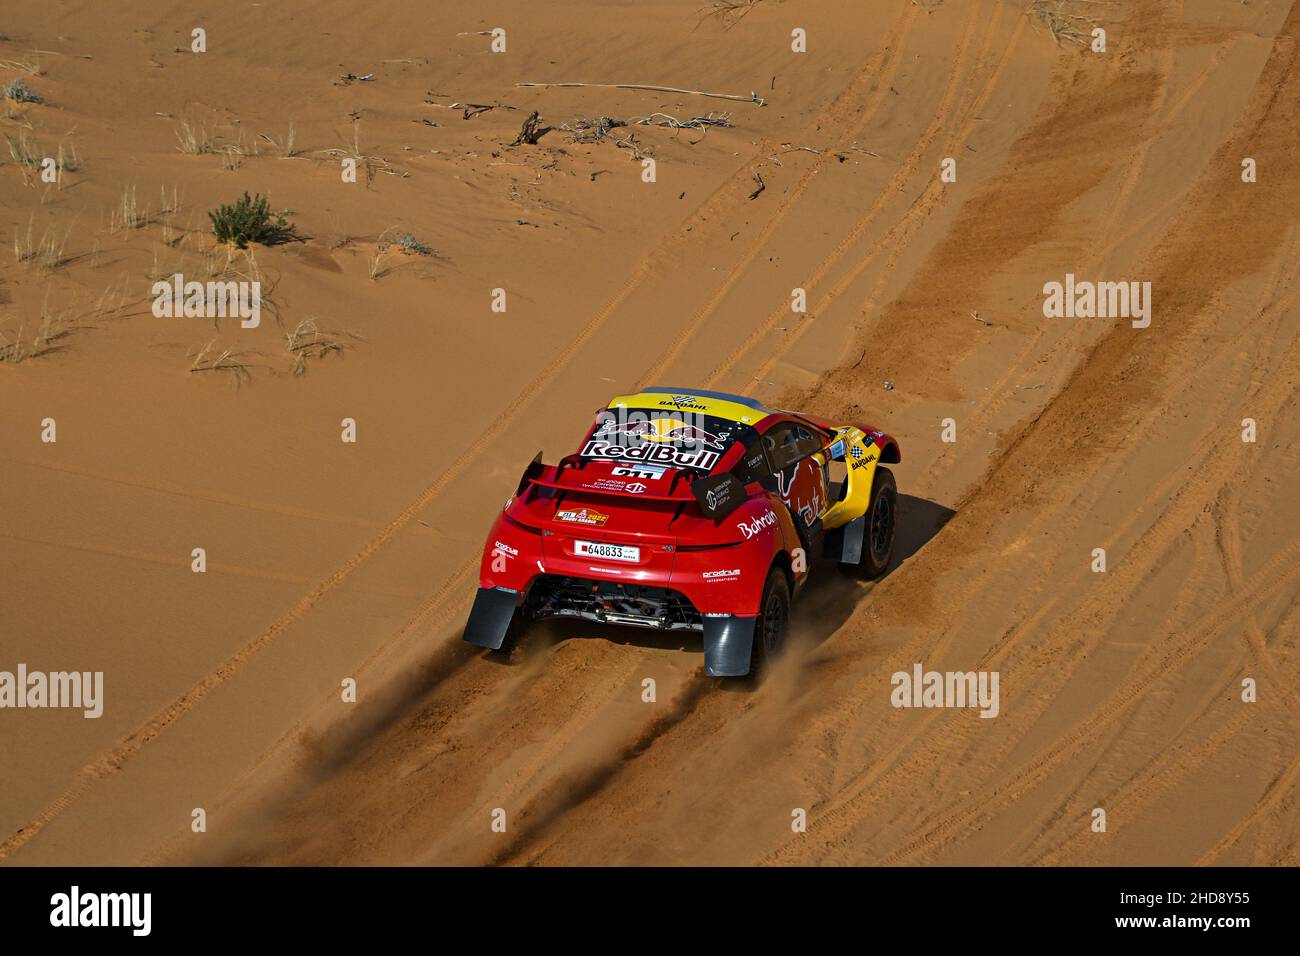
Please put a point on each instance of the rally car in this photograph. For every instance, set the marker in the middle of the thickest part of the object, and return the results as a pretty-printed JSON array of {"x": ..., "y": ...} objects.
[{"x": 688, "y": 511}]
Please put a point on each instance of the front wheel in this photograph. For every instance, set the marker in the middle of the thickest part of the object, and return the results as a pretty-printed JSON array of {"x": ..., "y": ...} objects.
[
  {"x": 881, "y": 523},
  {"x": 772, "y": 623}
]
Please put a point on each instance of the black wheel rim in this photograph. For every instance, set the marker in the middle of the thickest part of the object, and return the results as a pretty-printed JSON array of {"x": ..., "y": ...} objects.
[
  {"x": 774, "y": 618},
  {"x": 882, "y": 528}
]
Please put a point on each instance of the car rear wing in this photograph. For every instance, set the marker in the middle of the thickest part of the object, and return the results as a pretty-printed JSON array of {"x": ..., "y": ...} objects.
[
  {"x": 568, "y": 476},
  {"x": 715, "y": 495}
]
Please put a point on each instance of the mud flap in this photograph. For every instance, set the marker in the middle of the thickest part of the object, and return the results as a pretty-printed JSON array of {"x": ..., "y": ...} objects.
[
  {"x": 844, "y": 544},
  {"x": 728, "y": 643},
  {"x": 490, "y": 617}
]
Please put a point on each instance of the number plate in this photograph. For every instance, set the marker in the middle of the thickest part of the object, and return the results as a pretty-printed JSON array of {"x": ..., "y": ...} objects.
[{"x": 606, "y": 551}]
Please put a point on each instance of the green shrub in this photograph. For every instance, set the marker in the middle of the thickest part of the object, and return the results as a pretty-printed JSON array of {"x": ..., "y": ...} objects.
[{"x": 248, "y": 220}]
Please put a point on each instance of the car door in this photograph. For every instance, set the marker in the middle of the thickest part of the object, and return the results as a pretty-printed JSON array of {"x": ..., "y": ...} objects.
[{"x": 799, "y": 473}]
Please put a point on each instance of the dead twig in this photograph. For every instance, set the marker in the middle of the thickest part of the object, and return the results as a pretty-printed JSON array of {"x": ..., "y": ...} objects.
[
  {"x": 630, "y": 143},
  {"x": 1065, "y": 20},
  {"x": 758, "y": 178},
  {"x": 470, "y": 110},
  {"x": 531, "y": 131},
  {"x": 751, "y": 98},
  {"x": 730, "y": 12},
  {"x": 591, "y": 130},
  {"x": 672, "y": 122}
]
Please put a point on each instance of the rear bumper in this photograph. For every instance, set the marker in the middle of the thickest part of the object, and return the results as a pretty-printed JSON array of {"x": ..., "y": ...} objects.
[
  {"x": 728, "y": 638},
  {"x": 612, "y": 602}
]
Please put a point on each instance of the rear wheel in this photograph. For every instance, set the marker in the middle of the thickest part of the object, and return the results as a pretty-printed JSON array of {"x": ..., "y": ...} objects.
[
  {"x": 882, "y": 523},
  {"x": 772, "y": 623}
]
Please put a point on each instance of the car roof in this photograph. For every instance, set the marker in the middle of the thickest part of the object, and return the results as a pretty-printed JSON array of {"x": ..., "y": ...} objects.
[{"x": 733, "y": 408}]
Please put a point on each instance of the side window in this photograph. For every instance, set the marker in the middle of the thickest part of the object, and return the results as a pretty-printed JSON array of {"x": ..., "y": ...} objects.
[
  {"x": 807, "y": 441},
  {"x": 753, "y": 464},
  {"x": 782, "y": 445}
]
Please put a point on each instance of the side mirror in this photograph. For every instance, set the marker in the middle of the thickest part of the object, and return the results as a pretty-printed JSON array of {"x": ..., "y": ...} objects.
[{"x": 718, "y": 495}]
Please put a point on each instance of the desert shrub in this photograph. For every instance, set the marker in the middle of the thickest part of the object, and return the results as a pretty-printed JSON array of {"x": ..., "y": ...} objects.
[
  {"x": 18, "y": 91},
  {"x": 248, "y": 220},
  {"x": 412, "y": 245}
]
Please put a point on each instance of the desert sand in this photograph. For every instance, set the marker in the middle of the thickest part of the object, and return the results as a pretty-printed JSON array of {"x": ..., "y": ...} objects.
[{"x": 326, "y": 560}]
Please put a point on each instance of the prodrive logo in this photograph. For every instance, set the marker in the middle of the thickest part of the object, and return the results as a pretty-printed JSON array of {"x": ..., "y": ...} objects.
[{"x": 103, "y": 909}]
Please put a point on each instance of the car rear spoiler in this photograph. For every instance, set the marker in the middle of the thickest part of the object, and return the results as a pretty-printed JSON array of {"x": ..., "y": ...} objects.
[
  {"x": 716, "y": 495},
  {"x": 570, "y": 467},
  {"x": 683, "y": 495}
]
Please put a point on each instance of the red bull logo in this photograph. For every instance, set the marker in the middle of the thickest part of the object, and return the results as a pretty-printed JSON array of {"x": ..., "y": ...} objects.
[{"x": 665, "y": 430}]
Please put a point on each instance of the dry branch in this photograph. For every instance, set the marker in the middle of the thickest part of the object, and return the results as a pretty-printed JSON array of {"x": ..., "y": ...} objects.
[
  {"x": 1065, "y": 20},
  {"x": 531, "y": 131},
  {"x": 751, "y": 98}
]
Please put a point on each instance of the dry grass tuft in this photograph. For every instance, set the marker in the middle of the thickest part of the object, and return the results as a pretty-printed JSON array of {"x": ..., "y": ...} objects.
[
  {"x": 194, "y": 139},
  {"x": 308, "y": 341},
  {"x": 210, "y": 358},
  {"x": 1068, "y": 21},
  {"x": 47, "y": 253},
  {"x": 52, "y": 329},
  {"x": 285, "y": 147},
  {"x": 128, "y": 214},
  {"x": 729, "y": 12}
]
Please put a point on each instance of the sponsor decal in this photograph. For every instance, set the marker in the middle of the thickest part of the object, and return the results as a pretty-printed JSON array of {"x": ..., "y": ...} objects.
[
  {"x": 761, "y": 523},
  {"x": 667, "y": 429},
  {"x": 721, "y": 575},
  {"x": 718, "y": 495},
  {"x": 604, "y": 570},
  {"x": 645, "y": 472},
  {"x": 501, "y": 555},
  {"x": 867, "y": 458},
  {"x": 857, "y": 451},
  {"x": 606, "y": 484},
  {"x": 654, "y": 454},
  {"x": 635, "y": 488},
  {"x": 582, "y": 516},
  {"x": 685, "y": 401},
  {"x": 785, "y": 479},
  {"x": 810, "y": 511}
]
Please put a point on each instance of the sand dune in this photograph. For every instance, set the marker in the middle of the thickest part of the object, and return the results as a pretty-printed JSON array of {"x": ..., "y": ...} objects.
[{"x": 327, "y": 559}]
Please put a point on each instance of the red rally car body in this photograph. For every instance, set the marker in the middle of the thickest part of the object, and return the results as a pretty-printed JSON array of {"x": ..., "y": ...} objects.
[{"x": 692, "y": 511}]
